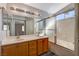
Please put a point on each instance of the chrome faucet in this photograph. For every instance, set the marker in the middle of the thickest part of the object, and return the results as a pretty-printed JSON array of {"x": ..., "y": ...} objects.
[{"x": 37, "y": 33}]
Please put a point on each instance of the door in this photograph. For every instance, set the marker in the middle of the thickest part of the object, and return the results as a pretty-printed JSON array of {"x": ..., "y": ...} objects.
[
  {"x": 19, "y": 29},
  {"x": 45, "y": 45},
  {"x": 22, "y": 49},
  {"x": 33, "y": 48},
  {"x": 40, "y": 46}
]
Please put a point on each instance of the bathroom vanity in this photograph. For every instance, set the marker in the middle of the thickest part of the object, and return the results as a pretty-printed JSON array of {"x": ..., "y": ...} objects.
[{"x": 27, "y": 45}]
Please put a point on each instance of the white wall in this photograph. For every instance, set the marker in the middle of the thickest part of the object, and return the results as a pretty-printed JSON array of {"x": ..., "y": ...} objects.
[{"x": 49, "y": 7}]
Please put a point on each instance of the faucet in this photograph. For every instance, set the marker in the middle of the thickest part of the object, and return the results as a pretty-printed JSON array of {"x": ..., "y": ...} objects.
[
  {"x": 37, "y": 33},
  {"x": 18, "y": 36}
]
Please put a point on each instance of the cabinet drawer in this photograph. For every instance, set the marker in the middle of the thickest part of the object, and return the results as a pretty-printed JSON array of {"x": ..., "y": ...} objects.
[
  {"x": 45, "y": 45},
  {"x": 32, "y": 43}
]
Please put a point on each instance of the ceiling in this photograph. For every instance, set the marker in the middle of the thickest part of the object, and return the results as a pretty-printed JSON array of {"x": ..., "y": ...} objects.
[{"x": 48, "y": 7}]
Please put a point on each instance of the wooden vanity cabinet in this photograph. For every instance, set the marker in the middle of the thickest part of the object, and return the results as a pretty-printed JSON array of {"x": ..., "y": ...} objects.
[
  {"x": 40, "y": 46},
  {"x": 27, "y": 48},
  {"x": 32, "y": 48},
  {"x": 45, "y": 45},
  {"x": 9, "y": 50}
]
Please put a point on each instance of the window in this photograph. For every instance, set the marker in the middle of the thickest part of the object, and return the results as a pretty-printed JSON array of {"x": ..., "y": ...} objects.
[
  {"x": 70, "y": 14},
  {"x": 60, "y": 17},
  {"x": 66, "y": 15},
  {"x": 5, "y": 27},
  {"x": 23, "y": 28}
]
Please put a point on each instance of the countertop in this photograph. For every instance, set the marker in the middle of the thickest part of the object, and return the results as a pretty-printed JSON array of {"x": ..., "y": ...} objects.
[{"x": 22, "y": 38}]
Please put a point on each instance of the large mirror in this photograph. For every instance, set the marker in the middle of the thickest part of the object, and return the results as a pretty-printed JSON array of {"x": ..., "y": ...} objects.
[{"x": 15, "y": 25}]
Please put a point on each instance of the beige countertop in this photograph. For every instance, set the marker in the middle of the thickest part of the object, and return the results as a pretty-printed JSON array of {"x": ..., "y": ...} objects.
[{"x": 22, "y": 38}]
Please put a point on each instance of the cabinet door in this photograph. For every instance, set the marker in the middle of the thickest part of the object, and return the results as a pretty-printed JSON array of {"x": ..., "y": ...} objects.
[
  {"x": 33, "y": 48},
  {"x": 40, "y": 46},
  {"x": 9, "y": 50},
  {"x": 22, "y": 49},
  {"x": 45, "y": 45}
]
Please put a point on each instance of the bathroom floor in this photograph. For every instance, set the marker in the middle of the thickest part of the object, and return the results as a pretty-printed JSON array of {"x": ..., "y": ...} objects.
[{"x": 48, "y": 54}]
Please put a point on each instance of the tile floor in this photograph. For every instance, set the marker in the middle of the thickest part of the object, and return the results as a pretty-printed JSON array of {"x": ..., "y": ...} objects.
[{"x": 48, "y": 54}]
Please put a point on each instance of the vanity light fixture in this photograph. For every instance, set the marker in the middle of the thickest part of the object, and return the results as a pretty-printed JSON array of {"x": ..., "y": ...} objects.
[
  {"x": 12, "y": 8},
  {"x": 2, "y": 8},
  {"x": 32, "y": 13},
  {"x": 24, "y": 11},
  {"x": 20, "y": 10}
]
